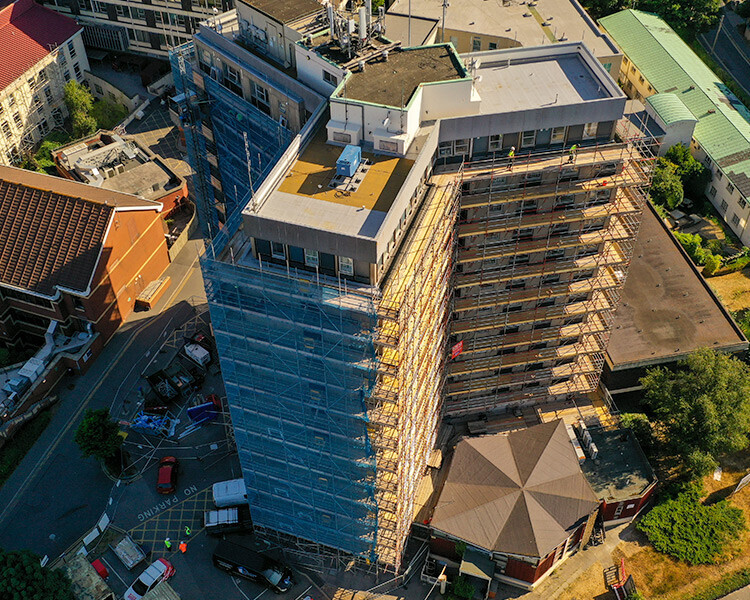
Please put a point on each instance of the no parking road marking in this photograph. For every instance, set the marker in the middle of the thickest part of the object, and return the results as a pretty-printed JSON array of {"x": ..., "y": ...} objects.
[{"x": 170, "y": 519}]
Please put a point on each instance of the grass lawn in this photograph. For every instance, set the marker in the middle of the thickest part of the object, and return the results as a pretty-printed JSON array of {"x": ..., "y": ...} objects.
[{"x": 14, "y": 450}]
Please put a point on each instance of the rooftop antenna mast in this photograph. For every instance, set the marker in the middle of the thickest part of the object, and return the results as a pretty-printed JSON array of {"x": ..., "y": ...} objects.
[{"x": 446, "y": 4}]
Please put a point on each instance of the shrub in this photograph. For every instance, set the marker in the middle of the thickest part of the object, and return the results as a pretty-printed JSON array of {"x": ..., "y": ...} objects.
[
  {"x": 719, "y": 589},
  {"x": 692, "y": 532},
  {"x": 462, "y": 588},
  {"x": 107, "y": 114},
  {"x": 713, "y": 263},
  {"x": 666, "y": 186}
]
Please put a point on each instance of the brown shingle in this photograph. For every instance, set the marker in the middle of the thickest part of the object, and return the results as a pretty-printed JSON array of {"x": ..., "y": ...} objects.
[
  {"x": 519, "y": 493},
  {"x": 48, "y": 239}
]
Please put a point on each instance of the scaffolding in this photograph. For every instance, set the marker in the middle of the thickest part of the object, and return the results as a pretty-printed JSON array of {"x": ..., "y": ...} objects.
[
  {"x": 545, "y": 242},
  {"x": 232, "y": 145}
]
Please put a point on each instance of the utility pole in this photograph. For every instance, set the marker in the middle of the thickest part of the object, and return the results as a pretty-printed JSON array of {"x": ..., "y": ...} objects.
[
  {"x": 409, "y": 34},
  {"x": 445, "y": 9},
  {"x": 716, "y": 37}
]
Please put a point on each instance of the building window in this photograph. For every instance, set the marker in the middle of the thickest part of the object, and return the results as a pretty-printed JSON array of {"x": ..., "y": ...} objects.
[
  {"x": 260, "y": 98},
  {"x": 17, "y": 120},
  {"x": 496, "y": 143},
  {"x": 311, "y": 258},
  {"x": 346, "y": 265},
  {"x": 77, "y": 70},
  {"x": 712, "y": 192},
  {"x": 742, "y": 203},
  {"x": 48, "y": 94},
  {"x": 43, "y": 127},
  {"x": 528, "y": 139},
  {"x": 98, "y": 89},
  {"x": 707, "y": 162},
  {"x": 445, "y": 148},
  {"x": 330, "y": 78},
  {"x": 640, "y": 79},
  {"x": 11, "y": 100},
  {"x": 589, "y": 130},
  {"x": 58, "y": 117},
  {"x": 71, "y": 49},
  {"x": 476, "y": 44},
  {"x": 724, "y": 205},
  {"x": 277, "y": 250},
  {"x": 735, "y": 220},
  {"x": 344, "y": 138},
  {"x": 6, "y": 130},
  {"x": 139, "y": 13},
  {"x": 719, "y": 175},
  {"x": 558, "y": 135},
  {"x": 66, "y": 75},
  {"x": 122, "y": 11},
  {"x": 730, "y": 188},
  {"x": 37, "y": 102},
  {"x": 493, "y": 45},
  {"x": 461, "y": 146}
]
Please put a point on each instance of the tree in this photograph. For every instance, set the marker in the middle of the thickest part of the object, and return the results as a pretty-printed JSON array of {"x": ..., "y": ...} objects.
[
  {"x": 77, "y": 98},
  {"x": 687, "y": 16},
  {"x": 666, "y": 186},
  {"x": 743, "y": 10},
  {"x": 98, "y": 435},
  {"x": 107, "y": 114},
  {"x": 713, "y": 263},
  {"x": 702, "y": 407},
  {"x": 692, "y": 532},
  {"x": 83, "y": 124},
  {"x": 694, "y": 175},
  {"x": 21, "y": 577},
  {"x": 602, "y": 8}
]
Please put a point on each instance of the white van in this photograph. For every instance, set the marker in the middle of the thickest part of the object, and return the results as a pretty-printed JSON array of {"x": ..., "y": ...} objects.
[{"x": 230, "y": 493}]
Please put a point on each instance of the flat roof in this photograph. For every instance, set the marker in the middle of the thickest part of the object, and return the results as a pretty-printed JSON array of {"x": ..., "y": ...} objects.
[
  {"x": 667, "y": 310},
  {"x": 621, "y": 470},
  {"x": 507, "y": 85},
  {"x": 389, "y": 81},
  {"x": 566, "y": 18},
  {"x": 285, "y": 11},
  {"x": 312, "y": 172}
]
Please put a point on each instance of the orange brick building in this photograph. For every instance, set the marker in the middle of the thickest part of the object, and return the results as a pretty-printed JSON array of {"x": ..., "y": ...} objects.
[{"x": 73, "y": 253}]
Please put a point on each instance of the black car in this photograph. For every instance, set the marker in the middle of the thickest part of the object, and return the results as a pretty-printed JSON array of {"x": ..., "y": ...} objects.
[{"x": 252, "y": 565}]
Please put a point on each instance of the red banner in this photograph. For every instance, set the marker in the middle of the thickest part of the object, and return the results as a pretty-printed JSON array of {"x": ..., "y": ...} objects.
[{"x": 457, "y": 349}]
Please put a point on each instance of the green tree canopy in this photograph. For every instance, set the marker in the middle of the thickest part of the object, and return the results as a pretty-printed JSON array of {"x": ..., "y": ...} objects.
[
  {"x": 743, "y": 9},
  {"x": 703, "y": 408},
  {"x": 22, "y": 578},
  {"x": 688, "y": 16},
  {"x": 77, "y": 98},
  {"x": 693, "y": 532},
  {"x": 694, "y": 175},
  {"x": 666, "y": 186},
  {"x": 98, "y": 435}
]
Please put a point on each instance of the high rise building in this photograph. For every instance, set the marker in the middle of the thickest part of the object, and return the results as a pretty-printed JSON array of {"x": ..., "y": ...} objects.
[
  {"x": 139, "y": 26},
  {"x": 442, "y": 235}
]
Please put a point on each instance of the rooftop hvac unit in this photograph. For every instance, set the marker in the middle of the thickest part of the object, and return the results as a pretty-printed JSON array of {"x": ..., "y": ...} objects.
[
  {"x": 109, "y": 172},
  {"x": 347, "y": 163},
  {"x": 593, "y": 451},
  {"x": 120, "y": 168}
]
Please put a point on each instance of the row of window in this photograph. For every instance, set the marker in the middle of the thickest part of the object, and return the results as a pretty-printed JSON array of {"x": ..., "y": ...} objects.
[
  {"x": 528, "y": 140},
  {"x": 310, "y": 258}
]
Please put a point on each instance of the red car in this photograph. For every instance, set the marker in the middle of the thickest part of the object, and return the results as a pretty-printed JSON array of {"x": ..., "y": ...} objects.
[{"x": 167, "y": 479}]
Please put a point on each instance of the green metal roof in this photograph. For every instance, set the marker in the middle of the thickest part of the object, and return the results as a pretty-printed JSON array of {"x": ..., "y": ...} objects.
[
  {"x": 670, "y": 66},
  {"x": 670, "y": 108}
]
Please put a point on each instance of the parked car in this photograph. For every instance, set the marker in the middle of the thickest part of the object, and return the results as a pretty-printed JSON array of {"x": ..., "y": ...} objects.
[
  {"x": 215, "y": 400},
  {"x": 252, "y": 565},
  {"x": 159, "y": 570},
  {"x": 166, "y": 481}
]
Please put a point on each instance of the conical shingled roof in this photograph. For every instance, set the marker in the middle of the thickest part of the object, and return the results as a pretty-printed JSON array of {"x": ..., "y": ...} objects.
[{"x": 519, "y": 493}]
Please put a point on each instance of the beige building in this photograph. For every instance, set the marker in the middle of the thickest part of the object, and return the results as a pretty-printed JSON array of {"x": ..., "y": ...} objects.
[
  {"x": 41, "y": 51},
  {"x": 476, "y": 25},
  {"x": 140, "y": 26}
]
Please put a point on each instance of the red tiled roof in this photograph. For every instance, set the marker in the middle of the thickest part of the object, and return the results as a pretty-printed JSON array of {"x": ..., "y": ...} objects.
[
  {"x": 27, "y": 31},
  {"x": 47, "y": 239}
]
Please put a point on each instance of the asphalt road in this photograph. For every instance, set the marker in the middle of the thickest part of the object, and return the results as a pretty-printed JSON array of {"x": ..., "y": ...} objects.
[
  {"x": 731, "y": 50},
  {"x": 55, "y": 495}
]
